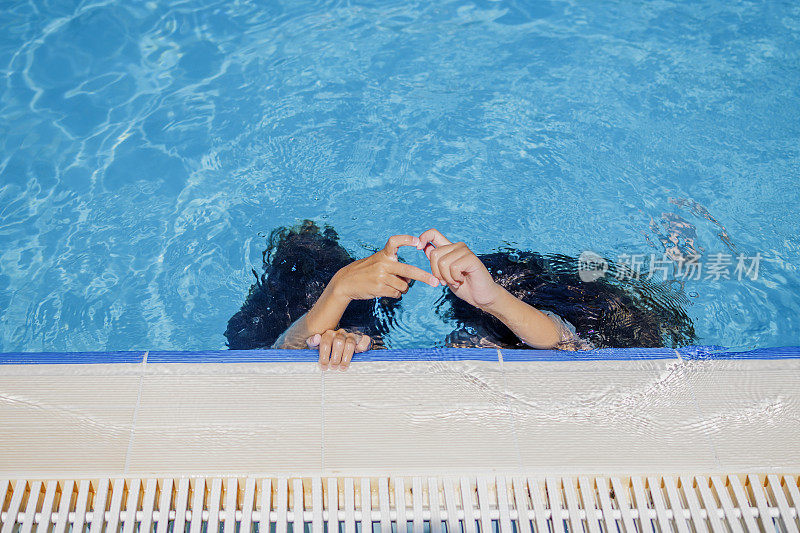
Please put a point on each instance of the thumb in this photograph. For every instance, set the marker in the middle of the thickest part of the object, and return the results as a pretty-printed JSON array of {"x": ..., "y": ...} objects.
[
  {"x": 314, "y": 341},
  {"x": 364, "y": 344}
]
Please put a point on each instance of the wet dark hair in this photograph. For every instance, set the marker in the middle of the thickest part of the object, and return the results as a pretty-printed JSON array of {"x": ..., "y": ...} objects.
[
  {"x": 297, "y": 265},
  {"x": 608, "y": 312}
]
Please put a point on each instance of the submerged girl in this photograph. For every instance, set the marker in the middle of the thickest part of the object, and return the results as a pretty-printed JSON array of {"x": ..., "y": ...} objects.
[{"x": 313, "y": 294}]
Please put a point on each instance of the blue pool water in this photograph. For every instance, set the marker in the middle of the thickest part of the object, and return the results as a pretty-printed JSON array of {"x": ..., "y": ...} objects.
[{"x": 147, "y": 147}]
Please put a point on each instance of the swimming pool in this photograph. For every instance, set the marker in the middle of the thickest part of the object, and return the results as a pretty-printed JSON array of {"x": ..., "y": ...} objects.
[{"x": 146, "y": 149}]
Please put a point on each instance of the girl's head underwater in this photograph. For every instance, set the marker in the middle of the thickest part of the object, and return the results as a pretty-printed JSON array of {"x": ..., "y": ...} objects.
[
  {"x": 608, "y": 313},
  {"x": 297, "y": 266}
]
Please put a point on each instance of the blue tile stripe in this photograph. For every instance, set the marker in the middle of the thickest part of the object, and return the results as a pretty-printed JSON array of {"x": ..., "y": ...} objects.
[
  {"x": 613, "y": 354},
  {"x": 287, "y": 356},
  {"x": 69, "y": 358},
  {"x": 433, "y": 354},
  {"x": 718, "y": 352}
]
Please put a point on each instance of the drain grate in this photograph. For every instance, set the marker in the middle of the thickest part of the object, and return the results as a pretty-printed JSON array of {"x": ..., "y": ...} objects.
[{"x": 470, "y": 504}]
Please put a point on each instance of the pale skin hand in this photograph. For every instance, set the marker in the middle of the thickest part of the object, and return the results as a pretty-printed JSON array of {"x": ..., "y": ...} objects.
[
  {"x": 376, "y": 276},
  {"x": 466, "y": 276},
  {"x": 337, "y": 347}
]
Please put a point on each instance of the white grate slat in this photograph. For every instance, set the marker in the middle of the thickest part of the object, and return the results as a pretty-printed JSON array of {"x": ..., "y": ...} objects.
[
  {"x": 433, "y": 504},
  {"x": 743, "y": 504},
  {"x": 30, "y": 509},
  {"x": 181, "y": 506},
  {"x": 248, "y": 504},
  {"x": 794, "y": 492},
  {"x": 521, "y": 502},
  {"x": 484, "y": 505},
  {"x": 366, "y": 504},
  {"x": 214, "y": 500},
  {"x": 573, "y": 511},
  {"x": 148, "y": 504},
  {"x": 468, "y": 504},
  {"x": 416, "y": 505},
  {"x": 642, "y": 506},
  {"x": 383, "y": 503},
  {"x": 540, "y": 515},
  {"x": 282, "y": 505},
  {"x": 231, "y": 500},
  {"x": 554, "y": 501},
  {"x": 132, "y": 506},
  {"x": 298, "y": 505},
  {"x": 198, "y": 501},
  {"x": 4, "y": 488},
  {"x": 264, "y": 505},
  {"x": 117, "y": 492},
  {"x": 453, "y": 525},
  {"x": 400, "y": 504},
  {"x": 502, "y": 505},
  {"x": 333, "y": 504},
  {"x": 678, "y": 514},
  {"x": 727, "y": 505},
  {"x": 622, "y": 497},
  {"x": 761, "y": 502},
  {"x": 710, "y": 505},
  {"x": 80, "y": 505},
  {"x": 589, "y": 505},
  {"x": 20, "y": 488},
  {"x": 47, "y": 507},
  {"x": 164, "y": 504},
  {"x": 779, "y": 498},
  {"x": 658, "y": 503},
  {"x": 606, "y": 507},
  {"x": 349, "y": 506},
  {"x": 317, "y": 525},
  {"x": 687, "y": 484},
  {"x": 63, "y": 507}
]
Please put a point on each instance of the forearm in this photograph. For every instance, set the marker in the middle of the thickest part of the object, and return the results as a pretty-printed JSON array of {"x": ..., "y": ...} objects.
[
  {"x": 325, "y": 314},
  {"x": 533, "y": 327}
]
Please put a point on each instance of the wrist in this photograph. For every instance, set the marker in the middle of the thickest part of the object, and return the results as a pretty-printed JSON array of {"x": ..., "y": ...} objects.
[
  {"x": 336, "y": 289},
  {"x": 327, "y": 310},
  {"x": 496, "y": 305}
]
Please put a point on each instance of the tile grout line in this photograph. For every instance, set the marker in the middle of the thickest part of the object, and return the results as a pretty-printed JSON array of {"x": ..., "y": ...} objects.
[
  {"x": 699, "y": 412},
  {"x": 514, "y": 431},
  {"x": 322, "y": 422},
  {"x": 135, "y": 415}
]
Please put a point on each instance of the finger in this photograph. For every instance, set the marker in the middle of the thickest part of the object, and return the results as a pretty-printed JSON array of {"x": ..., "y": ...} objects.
[
  {"x": 392, "y": 293},
  {"x": 432, "y": 236},
  {"x": 396, "y": 241},
  {"x": 433, "y": 256},
  {"x": 460, "y": 267},
  {"x": 313, "y": 341},
  {"x": 428, "y": 248},
  {"x": 436, "y": 255},
  {"x": 455, "y": 261},
  {"x": 445, "y": 259},
  {"x": 412, "y": 272},
  {"x": 338, "y": 347},
  {"x": 325, "y": 347},
  {"x": 363, "y": 344},
  {"x": 397, "y": 283},
  {"x": 349, "y": 349}
]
